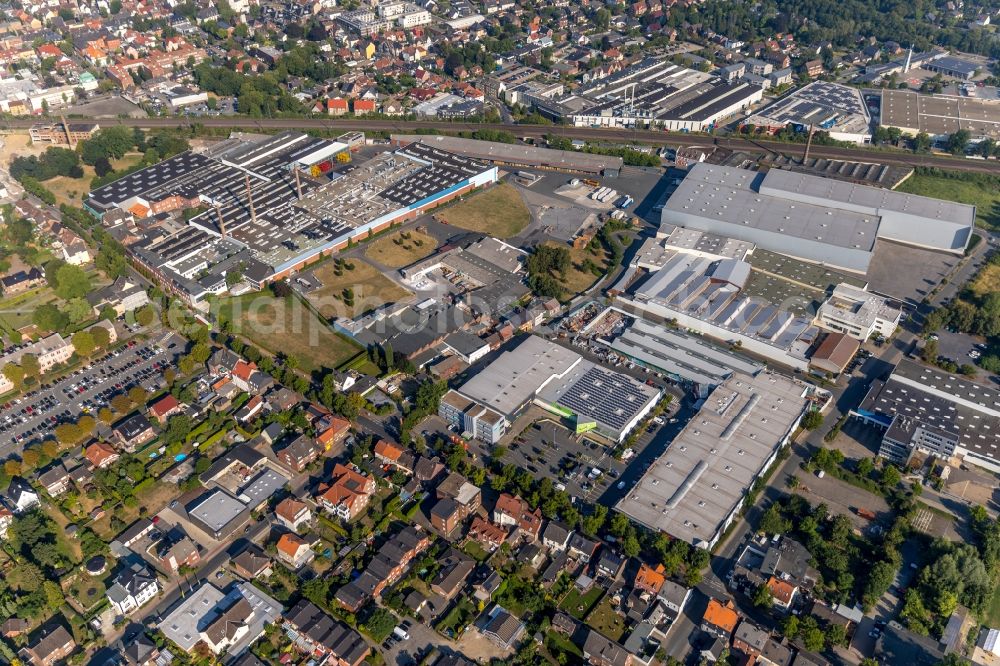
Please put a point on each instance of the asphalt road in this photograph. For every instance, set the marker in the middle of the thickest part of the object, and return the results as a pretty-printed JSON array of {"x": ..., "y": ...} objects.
[
  {"x": 538, "y": 131},
  {"x": 68, "y": 407}
]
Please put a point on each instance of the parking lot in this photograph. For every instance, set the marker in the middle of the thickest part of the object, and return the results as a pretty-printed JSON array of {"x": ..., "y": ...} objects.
[{"x": 32, "y": 417}]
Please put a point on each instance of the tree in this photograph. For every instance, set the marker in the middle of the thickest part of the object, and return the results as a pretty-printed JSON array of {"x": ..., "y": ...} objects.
[
  {"x": 813, "y": 639},
  {"x": 922, "y": 143},
  {"x": 812, "y": 419},
  {"x": 762, "y": 597},
  {"x": 101, "y": 336},
  {"x": 772, "y": 522},
  {"x": 102, "y": 167},
  {"x": 49, "y": 318},
  {"x": 836, "y": 635},
  {"x": 631, "y": 546},
  {"x": 83, "y": 343},
  {"x": 865, "y": 467},
  {"x": 77, "y": 310},
  {"x": 30, "y": 365},
  {"x": 72, "y": 282},
  {"x": 930, "y": 351},
  {"x": 958, "y": 141},
  {"x": 145, "y": 315},
  {"x": 890, "y": 476},
  {"x": 14, "y": 373}
]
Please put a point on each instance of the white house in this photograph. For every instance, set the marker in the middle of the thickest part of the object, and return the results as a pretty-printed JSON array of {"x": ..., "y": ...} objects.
[{"x": 133, "y": 587}]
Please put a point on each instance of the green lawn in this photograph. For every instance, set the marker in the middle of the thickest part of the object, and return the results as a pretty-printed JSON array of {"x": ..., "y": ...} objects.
[
  {"x": 555, "y": 640},
  {"x": 287, "y": 326},
  {"x": 985, "y": 195},
  {"x": 992, "y": 616},
  {"x": 458, "y": 618},
  {"x": 579, "y": 605},
  {"x": 605, "y": 620},
  {"x": 475, "y": 551}
]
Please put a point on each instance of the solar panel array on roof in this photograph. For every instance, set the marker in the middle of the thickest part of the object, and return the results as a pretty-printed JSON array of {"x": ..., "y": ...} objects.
[
  {"x": 608, "y": 397},
  {"x": 139, "y": 182}
]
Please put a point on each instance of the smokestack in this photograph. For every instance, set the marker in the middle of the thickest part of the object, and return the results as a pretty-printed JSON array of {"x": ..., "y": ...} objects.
[
  {"x": 253, "y": 211},
  {"x": 298, "y": 181},
  {"x": 805, "y": 158},
  {"x": 222, "y": 223},
  {"x": 69, "y": 137}
]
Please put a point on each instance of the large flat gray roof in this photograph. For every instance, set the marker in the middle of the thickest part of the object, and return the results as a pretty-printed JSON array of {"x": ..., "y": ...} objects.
[
  {"x": 680, "y": 354},
  {"x": 726, "y": 201},
  {"x": 512, "y": 379},
  {"x": 701, "y": 479}
]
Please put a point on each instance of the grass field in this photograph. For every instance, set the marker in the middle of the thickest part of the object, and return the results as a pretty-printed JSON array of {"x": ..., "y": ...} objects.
[
  {"x": 287, "y": 326},
  {"x": 498, "y": 211},
  {"x": 987, "y": 280},
  {"x": 87, "y": 591},
  {"x": 605, "y": 620},
  {"x": 985, "y": 199},
  {"x": 71, "y": 191},
  {"x": 371, "y": 290},
  {"x": 579, "y": 605},
  {"x": 578, "y": 280},
  {"x": 401, "y": 248},
  {"x": 992, "y": 615}
]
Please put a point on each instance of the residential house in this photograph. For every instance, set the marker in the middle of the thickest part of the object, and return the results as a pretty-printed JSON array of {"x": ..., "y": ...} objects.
[
  {"x": 21, "y": 281},
  {"x": 609, "y": 564},
  {"x": 720, "y": 619},
  {"x": 133, "y": 431},
  {"x": 6, "y": 520},
  {"x": 133, "y": 587},
  {"x": 450, "y": 578},
  {"x": 777, "y": 654},
  {"x": 334, "y": 433},
  {"x": 101, "y": 455},
  {"x": 249, "y": 379},
  {"x": 52, "y": 646},
  {"x": 138, "y": 650},
  {"x": 484, "y": 591},
  {"x": 175, "y": 553},
  {"x": 386, "y": 567},
  {"x": 252, "y": 563},
  {"x": 388, "y": 453},
  {"x": 486, "y": 534},
  {"x": 348, "y": 494},
  {"x": 123, "y": 295},
  {"x": 21, "y": 497},
  {"x": 782, "y": 592},
  {"x": 55, "y": 479},
  {"x": 325, "y": 636},
  {"x": 228, "y": 627},
  {"x": 294, "y": 551},
  {"x": 581, "y": 548},
  {"x": 750, "y": 639},
  {"x": 14, "y": 627},
  {"x": 446, "y": 515},
  {"x": 674, "y": 597},
  {"x": 599, "y": 650},
  {"x": 650, "y": 579},
  {"x": 165, "y": 407},
  {"x": 293, "y": 514},
  {"x": 467, "y": 496},
  {"x": 556, "y": 536},
  {"x": 298, "y": 454},
  {"x": 502, "y": 628},
  {"x": 512, "y": 511}
]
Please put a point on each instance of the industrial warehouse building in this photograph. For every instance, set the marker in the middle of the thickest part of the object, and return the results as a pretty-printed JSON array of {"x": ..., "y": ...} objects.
[
  {"x": 697, "y": 487},
  {"x": 654, "y": 93},
  {"x": 837, "y": 109},
  {"x": 563, "y": 382},
  {"x": 821, "y": 220},
  {"x": 939, "y": 115},
  {"x": 925, "y": 409},
  {"x": 275, "y": 204}
]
